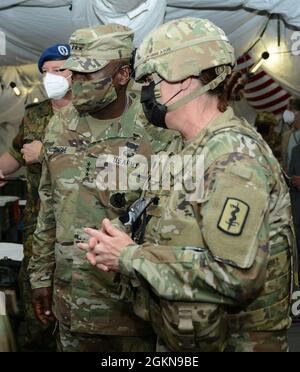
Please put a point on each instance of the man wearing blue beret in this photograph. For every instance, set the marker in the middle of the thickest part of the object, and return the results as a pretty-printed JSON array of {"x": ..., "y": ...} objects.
[{"x": 26, "y": 150}]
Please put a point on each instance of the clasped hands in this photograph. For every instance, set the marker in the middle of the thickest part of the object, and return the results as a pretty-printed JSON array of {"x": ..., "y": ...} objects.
[
  {"x": 105, "y": 246},
  {"x": 31, "y": 152}
]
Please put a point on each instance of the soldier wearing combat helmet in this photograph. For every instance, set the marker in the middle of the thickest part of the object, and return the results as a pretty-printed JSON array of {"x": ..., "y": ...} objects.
[{"x": 215, "y": 273}]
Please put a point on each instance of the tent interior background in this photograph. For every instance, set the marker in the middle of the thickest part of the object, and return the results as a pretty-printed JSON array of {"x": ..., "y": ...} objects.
[{"x": 28, "y": 26}]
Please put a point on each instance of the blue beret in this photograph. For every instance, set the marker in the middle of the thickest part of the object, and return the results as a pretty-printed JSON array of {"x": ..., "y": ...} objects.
[{"x": 58, "y": 52}]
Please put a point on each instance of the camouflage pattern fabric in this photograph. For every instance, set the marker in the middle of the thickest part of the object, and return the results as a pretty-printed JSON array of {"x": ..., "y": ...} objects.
[
  {"x": 77, "y": 149},
  {"x": 266, "y": 123},
  {"x": 275, "y": 144},
  {"x": 266, "y": 117},
  {"x": 36, "y": 119},
  {"x": 73, "y": 342},
  {"x": 195, "y": 45},
  {"x": 87, "y": 96},
  {"x": 33, "y": 127},
  {"x": 94, "y": 48},
  {"x": 223, "y": 265}
]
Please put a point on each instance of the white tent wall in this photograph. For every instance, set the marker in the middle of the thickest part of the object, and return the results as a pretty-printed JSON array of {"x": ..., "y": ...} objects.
[
  {"x": 29, "y": 26},
  {"x": 44, "y": 3},
  {"x": 141, "y": 15},
  {"x": 34, "y": 24},
  {"x": 29, "y": 29}
]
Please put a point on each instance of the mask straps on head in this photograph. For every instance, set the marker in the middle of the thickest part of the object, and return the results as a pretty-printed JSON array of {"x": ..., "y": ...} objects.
[
  {"x": 157, "y": 80},
  {"x": 131, "y": 64},
  {"x": 181, "y": 90},
  {"x": 223, "y": 71}
]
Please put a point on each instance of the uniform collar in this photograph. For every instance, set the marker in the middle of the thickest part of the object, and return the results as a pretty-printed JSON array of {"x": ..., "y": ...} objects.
[
  {"x": 196, "y": 145},
  {"x": 223, "y": 121}
]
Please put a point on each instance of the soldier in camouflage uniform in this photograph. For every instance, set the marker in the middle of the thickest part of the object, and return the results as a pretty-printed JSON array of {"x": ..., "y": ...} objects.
[
  {"x": 266, "y": 125},
  {"x": 105, "y": 129},
  {"x": 33, "y": 128},
  {"x": 26, "y": 151},
  {"x": 215, "y": 272}
]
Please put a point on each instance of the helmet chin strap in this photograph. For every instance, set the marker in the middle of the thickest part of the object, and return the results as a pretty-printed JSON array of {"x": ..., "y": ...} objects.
[{"x": 226, "y": 70}]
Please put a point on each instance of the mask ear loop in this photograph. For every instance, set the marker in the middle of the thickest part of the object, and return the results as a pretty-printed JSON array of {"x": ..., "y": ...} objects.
[
  {"x": 70, "y": 84},
  {"x": 181, "y": 90},
  {"x": 67, "y": 78},
  {"x": 156, "y": 84},
  {"x": 131, "y": 64},
  {"x": 222, "y": 72}
]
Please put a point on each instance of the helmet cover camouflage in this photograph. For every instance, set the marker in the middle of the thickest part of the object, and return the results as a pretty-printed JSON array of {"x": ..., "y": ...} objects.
[{"x": 183, "y": 48}]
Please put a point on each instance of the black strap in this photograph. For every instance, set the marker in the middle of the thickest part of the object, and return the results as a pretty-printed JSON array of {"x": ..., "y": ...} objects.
[{"x": 139, "y": 230}]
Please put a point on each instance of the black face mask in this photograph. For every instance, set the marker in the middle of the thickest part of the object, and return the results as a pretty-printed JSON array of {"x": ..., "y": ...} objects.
[{"x": 155, "y": 112}]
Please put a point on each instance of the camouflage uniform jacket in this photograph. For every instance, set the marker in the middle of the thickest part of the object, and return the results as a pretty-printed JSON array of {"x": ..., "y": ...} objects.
[
  {"x": 77, "y": 149},
  {"x": 232, "y": 250},
  {"x": 33, "y": 126}
]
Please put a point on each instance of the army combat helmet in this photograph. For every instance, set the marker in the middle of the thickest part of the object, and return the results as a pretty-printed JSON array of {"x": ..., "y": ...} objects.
[{"x": 183, "y": 48}]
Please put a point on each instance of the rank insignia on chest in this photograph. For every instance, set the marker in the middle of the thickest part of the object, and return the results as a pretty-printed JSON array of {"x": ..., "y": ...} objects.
[
  {"x": 131, "y": 149},
  {"x": 57, "y": 149},
  {"x": 77, "y": 143},
  {"x": 234, "y": 217}
]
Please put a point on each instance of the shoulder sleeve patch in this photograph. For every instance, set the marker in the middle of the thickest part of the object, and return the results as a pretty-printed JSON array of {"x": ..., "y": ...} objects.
[{"x": 233, "y": 217}]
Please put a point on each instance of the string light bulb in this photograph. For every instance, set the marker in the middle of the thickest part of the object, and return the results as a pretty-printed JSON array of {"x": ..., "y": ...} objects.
[
  {"x": 15, "y": 89},
  {"x": 265, "y": 56}
]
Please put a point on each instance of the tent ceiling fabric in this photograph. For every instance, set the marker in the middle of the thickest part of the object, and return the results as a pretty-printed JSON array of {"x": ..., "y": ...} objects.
[
  {"x": 141, "y": 15},
  {"x": 244, "y": 29},
  {"x": 288, "y": 9},
  {"x": 42, "y": 3},
  {"x": 29, "y": 26},
  {"x": 54, "y": 21},
  {"x": 28, "y": 30}
]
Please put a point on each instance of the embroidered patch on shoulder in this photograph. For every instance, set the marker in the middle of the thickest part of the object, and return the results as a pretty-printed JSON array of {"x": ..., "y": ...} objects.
[{"x": 234, "y": 217}]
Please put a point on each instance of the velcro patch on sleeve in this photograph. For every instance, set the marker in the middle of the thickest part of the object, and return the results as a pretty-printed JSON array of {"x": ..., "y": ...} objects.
[{"x": 233, "y": 217}]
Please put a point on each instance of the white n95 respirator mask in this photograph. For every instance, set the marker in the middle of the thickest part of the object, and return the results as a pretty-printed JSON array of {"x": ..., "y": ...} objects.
[
  {"x": 289, "y": 117},
  {"x": 56, "y": 86}
]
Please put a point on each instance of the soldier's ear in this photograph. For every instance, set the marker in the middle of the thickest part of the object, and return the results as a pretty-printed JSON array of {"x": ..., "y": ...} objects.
[
  {"x": 124, "y": 75},
  {"x": 185, "y": 84}
]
